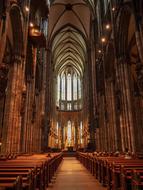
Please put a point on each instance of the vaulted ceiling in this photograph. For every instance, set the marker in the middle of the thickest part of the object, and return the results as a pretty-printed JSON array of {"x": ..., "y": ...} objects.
[{"x": 69, "y": 31}]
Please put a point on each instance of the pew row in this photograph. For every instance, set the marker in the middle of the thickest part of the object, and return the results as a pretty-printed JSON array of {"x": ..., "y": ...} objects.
[
  {"x": 115, "y": 173},
  {"x": 29, "y": 172}
]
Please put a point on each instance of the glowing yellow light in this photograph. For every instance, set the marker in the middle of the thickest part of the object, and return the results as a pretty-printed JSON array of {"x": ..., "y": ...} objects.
[
  {"x": 31, "y": 24},
  {"x": 107, "y": 26},
  {"x": 26, "y": 9},
  {"x": 103, "y": 39},
  {"x": 99, "y": 51},
  {"x": 35, "y": 32},
  {"x": 113, "y": 9}
]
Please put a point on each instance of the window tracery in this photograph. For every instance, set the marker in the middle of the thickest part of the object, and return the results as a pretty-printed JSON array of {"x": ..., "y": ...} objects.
[{"x": 69, "y": 90}]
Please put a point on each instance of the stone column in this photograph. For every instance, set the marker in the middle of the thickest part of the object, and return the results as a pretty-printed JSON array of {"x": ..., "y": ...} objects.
[
  {"x": 30, "y": 109},
  {"x": 72, "y": 91},
  {"x": 126, "y": 118},
  {"x": 65, "y": 104},
  {"x": 138, "y": 128},
  {"x": 12, "y": 117},
  {"x": 102, "y": 127},
  {"x": 76, "y": 134},
  {"x": 112, "y": 135},
  {"x": 90, "y": 94},
  {"x": 62, "y": 137}
]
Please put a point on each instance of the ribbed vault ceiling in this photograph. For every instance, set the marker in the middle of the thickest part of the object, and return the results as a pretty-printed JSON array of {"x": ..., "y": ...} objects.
[
  {"x": 90, "y": 3},
  {"x": 69, "y": 30},
  {"x": 69, "y": 49}
]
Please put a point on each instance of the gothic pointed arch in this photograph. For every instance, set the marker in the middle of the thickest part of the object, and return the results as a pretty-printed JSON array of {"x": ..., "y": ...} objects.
[{"x": 17, "y": 31}]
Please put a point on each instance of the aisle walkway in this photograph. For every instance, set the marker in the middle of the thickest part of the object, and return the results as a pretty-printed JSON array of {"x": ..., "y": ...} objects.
[{"x": 72, "y": 175}]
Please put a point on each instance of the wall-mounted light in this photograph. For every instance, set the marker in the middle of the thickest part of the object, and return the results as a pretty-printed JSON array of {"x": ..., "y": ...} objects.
[
  {"x": 103, "y": 39},
  {"x": 31, "y": 24},
  {"x": 108, "y": 26},
  {"x": 99, "y": 51},
  {"x": 27, "y": 9},
  {"x": 113, "y": 9},
  {"x": 35, "y": 32}
]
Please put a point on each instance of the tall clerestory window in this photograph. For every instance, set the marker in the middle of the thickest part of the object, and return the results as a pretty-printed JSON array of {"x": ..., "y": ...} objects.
[
  {"x": 69, "y": 90},
  {"x": 69, "y": 87}
]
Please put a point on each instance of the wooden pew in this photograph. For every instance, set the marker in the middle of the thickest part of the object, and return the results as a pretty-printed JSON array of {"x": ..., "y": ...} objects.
[
  {"x": 130, "y": 173},
  {"x": 137, "y": 179},
  {"x": 34, "y": 170},
  {"x": 113, "y": 172},
  {"x": 121, "y": 173},
  {"x": 28, "y": 177},
  {"x": 15, "y": 184},
  {"x": 32, "y": 173}
]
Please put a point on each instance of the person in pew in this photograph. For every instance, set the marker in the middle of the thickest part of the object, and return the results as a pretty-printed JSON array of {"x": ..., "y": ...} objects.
[
  {"x": 111, "y": 154},
  {"x": 127, "y": 154},
  {"x": 93, "y": 154},
  {"x": 117, "y": 153},
  {"x": 49, "y": 155}
]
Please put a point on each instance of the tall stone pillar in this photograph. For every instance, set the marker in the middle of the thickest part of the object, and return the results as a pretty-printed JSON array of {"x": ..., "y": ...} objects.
[
  {"x": 138, "y": 128},
  {"x": 102, "y": 127},
  {"x": 30, "y": 110},
  {"x": 76, "y": 134},
  {"x": 111, "y": 117},
  {"x": 126, "y": 117},
  {"x": 12, "y": 118}
]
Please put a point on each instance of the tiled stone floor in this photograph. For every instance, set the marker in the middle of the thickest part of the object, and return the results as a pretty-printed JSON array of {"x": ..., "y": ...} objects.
[{"x": 71, "y": 175}]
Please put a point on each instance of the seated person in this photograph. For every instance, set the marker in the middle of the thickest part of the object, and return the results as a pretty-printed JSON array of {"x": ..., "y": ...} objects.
[{"x": 127, "y": 154}]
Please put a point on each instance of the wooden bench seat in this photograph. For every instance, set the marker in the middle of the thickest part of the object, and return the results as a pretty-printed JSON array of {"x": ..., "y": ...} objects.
[
  {"x": 137, "y": 179},
  {"x": 11, "y": 184},
  {"x": 35, "y": 171},
  {"x": 127, "y": 176},
  {"x": 114, "y": 172},
  {"x": 28, "y": 178}
]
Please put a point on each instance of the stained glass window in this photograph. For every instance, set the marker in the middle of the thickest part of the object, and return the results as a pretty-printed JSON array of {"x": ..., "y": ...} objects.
[
  {"x": 75, "y": 87},
  {"x": 63, "y": 87},
  {"x": 79, "y": 88},
  {"x": 58, "y": 89},
  {"x": 69, "y": 87},
  {"x": 69, "y": 90}
]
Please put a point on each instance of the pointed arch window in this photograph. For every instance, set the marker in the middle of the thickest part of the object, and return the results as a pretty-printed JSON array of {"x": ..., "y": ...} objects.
[
  {"x": 75, "y": 84},
  {"x": 69, "y": 90},
  {"x": 63, "y": 86},
  {"x": 69, "y": 87},
  {"x": 58, "y": 89},
  {"x": 79, "y": 87}
]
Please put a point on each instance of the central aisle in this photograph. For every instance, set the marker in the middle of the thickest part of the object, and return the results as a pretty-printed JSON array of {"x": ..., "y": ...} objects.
[{"x": 72, "y": 175}]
